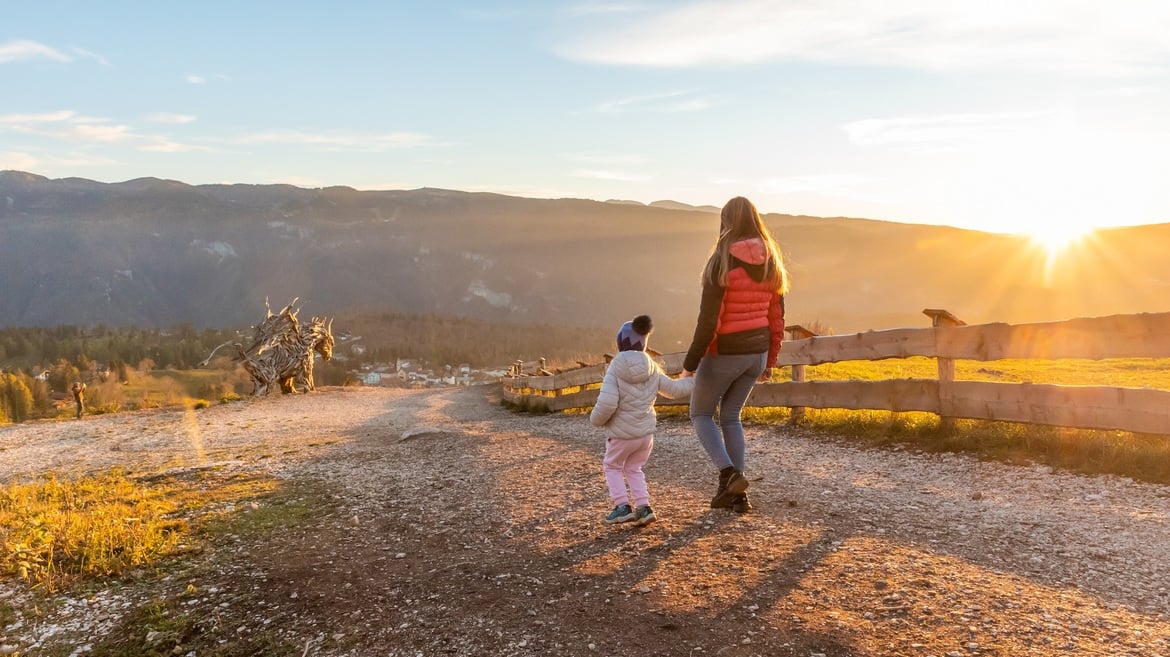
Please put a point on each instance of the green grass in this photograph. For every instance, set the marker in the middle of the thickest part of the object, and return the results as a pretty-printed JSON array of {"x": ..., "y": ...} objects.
[{"x": 1120, "y": 372}]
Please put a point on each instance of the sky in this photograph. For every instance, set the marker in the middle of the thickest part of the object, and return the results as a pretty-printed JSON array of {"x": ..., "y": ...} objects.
[{"x": 997, "y": 115}]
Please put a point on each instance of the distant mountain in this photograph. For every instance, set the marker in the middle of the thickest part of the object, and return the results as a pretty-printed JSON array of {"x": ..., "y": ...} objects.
[
  {"x": 156, "y": 253},
  {"x": 675, "y": 205}
]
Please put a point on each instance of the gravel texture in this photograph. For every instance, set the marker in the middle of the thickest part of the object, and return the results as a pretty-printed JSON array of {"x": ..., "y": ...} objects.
[{"x": 449, "y": 525}]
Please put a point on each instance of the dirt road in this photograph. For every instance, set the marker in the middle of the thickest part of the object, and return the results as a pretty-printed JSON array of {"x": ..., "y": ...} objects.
[{"x": 451, "y": 526}]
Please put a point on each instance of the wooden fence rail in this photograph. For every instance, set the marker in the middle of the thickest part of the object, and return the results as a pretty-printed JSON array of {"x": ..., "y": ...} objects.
[{"x": 1141, "y": 410}]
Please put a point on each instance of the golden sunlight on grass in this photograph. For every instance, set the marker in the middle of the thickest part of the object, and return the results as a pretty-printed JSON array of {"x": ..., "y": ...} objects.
[{"x": 57, "y": 532}]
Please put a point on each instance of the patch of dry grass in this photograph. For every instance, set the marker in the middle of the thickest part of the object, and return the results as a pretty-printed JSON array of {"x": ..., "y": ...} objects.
[{"x": 55, "y": 532}]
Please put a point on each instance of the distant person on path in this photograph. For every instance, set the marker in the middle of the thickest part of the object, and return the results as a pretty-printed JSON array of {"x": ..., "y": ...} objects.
[
  {"x": 736, "y": 342},
  {"x": 625, "y": 407},
  {"x": 78, "y": 390}
]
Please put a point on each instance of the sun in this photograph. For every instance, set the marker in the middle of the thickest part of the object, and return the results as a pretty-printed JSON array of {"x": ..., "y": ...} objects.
[{"x": 1057, "y": 238}]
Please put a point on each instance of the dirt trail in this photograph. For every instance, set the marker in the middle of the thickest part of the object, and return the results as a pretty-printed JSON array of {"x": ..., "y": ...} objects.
[{"x": 456, "y": 527}]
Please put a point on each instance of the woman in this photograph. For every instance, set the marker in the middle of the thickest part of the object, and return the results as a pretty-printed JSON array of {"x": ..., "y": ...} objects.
[{"x": 737, "y": 339}]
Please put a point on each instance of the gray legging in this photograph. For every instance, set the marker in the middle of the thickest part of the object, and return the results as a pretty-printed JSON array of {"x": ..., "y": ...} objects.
[{"x": 724, "y": 381}]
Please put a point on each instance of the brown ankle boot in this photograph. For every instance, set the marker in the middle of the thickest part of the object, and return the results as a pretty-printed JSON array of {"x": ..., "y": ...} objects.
[
  {"x": 731, "y": 483},
  {"x": 721, "y": 500},
  {"x": 741, "y": 504}
]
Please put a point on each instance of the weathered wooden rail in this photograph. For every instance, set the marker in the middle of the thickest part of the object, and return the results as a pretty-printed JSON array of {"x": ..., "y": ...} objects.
[{"x": 1141, "y": 410}]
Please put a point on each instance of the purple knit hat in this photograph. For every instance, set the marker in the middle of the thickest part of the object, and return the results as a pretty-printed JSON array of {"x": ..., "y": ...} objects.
[{"x": 633, "y": 334}]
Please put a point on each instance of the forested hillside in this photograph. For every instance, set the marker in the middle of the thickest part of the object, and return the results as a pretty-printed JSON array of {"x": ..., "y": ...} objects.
[{"x": 156, "y": 253}]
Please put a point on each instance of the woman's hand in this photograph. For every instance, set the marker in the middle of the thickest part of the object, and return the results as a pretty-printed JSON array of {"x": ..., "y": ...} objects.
[
  {"x": 685, "y": 373},
  {"x": 765, "y": 376}
]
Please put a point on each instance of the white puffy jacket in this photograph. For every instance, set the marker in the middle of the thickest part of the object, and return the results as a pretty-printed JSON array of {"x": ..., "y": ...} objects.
[{"x": 625, "y": 405}]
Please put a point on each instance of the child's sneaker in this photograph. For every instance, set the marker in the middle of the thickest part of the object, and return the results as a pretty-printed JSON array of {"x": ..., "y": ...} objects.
[
  {"x": 645, "y": 516},
  {"x": 620, "y": 513}
]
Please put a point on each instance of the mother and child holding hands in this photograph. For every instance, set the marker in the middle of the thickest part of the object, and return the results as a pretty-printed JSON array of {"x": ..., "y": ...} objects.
[{"x": 736, "y": 341}]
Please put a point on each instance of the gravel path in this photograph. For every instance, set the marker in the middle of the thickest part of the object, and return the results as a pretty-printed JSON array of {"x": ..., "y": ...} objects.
[{"x": 458, "y": 527}]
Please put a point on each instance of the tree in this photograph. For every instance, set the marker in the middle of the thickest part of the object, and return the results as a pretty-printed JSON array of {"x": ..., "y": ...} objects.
[{"x": 17, "y": 398}]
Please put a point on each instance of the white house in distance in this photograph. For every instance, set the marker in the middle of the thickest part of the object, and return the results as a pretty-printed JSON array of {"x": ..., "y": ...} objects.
[{"x": 412, "y": 372}]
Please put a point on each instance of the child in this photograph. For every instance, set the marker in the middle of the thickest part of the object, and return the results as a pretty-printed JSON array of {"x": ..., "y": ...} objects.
[{"x": 625, "y": 407}]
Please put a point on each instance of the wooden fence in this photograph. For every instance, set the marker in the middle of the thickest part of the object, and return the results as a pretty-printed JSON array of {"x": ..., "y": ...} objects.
[{"x": 1141, "y": 410}]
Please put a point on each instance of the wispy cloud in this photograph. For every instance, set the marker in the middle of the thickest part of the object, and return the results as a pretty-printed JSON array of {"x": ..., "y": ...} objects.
[
  {"x": 69, "y": 126},
  {"x": 610, "y": 159},
  {"x": 171, "y": 118},
  {"x": 951, "y": 130},
  {"x": 591, "y": 8},
  {"x": 614, "y": 175},
  {"x": 82, "y": 160},
  {"x": 86, "y": 54},
  {"x": 20, "y": 50},
  {"x": 853, "y": 186},
  {"x": 161, "y": 144},
  {"x": 345, "y": 142},
  {"x": 674, "y": 101},
  {"x": 24, "y": 50},
  {"x": 833, "y": 183},
  {"x": 45, "y": 117},
  {"x": 197, "y": 78},
  {"x": 1072, "y": 36},
  {"x": 18, "y": 161},
  {"x": 65, "y": 125}
]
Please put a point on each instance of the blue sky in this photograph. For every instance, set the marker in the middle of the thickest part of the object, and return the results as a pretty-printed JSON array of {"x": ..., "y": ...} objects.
[{"x": 998, "y": 115}]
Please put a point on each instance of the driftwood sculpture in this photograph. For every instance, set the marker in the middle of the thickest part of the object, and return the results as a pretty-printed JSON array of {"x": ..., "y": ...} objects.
[{"x": 282, "y": 351}]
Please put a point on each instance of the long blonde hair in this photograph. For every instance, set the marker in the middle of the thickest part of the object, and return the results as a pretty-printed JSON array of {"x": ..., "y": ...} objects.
[{"x": 741, "y": 220}]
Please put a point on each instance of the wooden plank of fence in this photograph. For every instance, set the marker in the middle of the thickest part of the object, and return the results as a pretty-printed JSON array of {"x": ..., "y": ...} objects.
[
  {"x": 1145, "y": 335},
  {"x": 672, "y": 363},
  {"x": 871, "y": 345},
  {"x": 570, "y": 379},
  {"x": 890, "y": 394},
  {"x": 1141, "y": 410},
  {"x": 581, "y": 399}
]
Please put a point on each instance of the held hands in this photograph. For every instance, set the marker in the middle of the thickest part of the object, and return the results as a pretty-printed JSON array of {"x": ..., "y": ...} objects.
[
  {"x": 765, "y": 376},
  {"x": 685, "y": 373}
]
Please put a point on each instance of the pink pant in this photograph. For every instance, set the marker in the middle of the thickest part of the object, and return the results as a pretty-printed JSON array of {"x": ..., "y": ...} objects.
[{"x": 623, "y": 463}]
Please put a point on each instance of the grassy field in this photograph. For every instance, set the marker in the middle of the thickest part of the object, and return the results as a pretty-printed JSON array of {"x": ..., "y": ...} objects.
[
  {"x": 1122, "y": 372},
  {"x": 165, "y": 389},
  {"x": 57, "y": 532}
]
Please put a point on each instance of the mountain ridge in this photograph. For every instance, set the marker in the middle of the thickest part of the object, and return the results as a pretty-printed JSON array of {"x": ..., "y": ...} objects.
[{"x": 156, "y": 252}]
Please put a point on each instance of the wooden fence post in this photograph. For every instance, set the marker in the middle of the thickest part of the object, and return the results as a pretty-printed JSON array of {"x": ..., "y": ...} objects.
[
  {"x": 798, "y": 332},
  {"x": 946, "y": 368}
]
